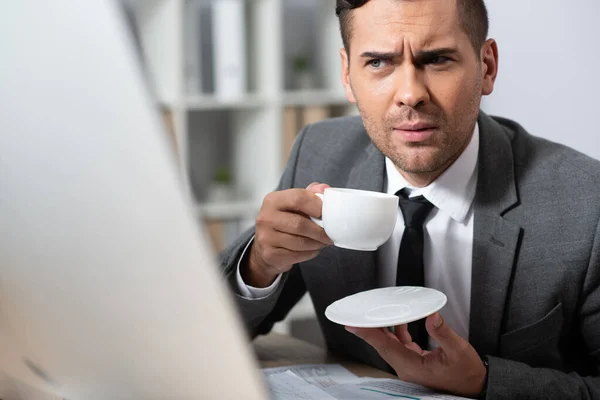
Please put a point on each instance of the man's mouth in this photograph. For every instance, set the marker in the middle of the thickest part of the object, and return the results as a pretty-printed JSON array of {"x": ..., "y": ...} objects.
[{"x": 415, "y": 132}]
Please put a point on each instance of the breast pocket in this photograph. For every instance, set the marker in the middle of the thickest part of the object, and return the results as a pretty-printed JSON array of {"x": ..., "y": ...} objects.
[{"x": 536, "y": 343}]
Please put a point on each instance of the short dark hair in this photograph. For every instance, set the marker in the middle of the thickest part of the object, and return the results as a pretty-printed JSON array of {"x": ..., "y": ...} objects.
[{"x": 472, "y": 13}]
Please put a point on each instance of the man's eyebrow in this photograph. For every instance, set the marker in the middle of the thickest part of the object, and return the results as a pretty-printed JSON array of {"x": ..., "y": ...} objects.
[
  {"x": 420, "y": 54},
  {"x": 444, "y": 51},
  {"x": 382, "y": 55}
]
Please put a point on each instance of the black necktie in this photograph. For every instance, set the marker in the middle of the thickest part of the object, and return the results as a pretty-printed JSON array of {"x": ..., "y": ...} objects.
[{"x": 410, "y": 258}]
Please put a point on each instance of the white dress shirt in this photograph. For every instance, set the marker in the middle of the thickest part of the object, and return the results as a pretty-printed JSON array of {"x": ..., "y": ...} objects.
[
  {"x": 252, "y": 292},
  {"x": 447, "y": 233}
]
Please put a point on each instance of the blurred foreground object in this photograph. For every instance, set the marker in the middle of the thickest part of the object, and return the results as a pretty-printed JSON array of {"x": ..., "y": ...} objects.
[{"x": 107, "y": 288}]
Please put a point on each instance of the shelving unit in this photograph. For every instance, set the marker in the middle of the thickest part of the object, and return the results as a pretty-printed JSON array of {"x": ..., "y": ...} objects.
[
  {"x": 200, "y": 102},
  {"x": 246, "y": 134},
  {"x": 315, "y": 97},
  {"x": 250, "y": 135},
  {"x": 255, "y": 119}
]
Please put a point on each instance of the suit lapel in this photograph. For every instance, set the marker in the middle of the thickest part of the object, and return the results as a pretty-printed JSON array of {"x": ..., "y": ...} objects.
[
  {"x": 358, "y": 267},
  {"x": 495, "y": 239}
]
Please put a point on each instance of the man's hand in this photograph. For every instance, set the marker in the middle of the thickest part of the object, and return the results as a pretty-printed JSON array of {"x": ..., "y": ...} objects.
[
  {"x": 285, "y": 235},
  {"x": 454, "y": 367}
]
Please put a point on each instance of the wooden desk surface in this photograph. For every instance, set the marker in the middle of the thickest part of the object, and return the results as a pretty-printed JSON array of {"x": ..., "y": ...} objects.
[{"x": 276, "y": 350}]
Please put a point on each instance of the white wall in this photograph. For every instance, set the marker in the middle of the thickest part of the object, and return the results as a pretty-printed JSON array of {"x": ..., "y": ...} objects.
[{"x": 549, "y": 78}]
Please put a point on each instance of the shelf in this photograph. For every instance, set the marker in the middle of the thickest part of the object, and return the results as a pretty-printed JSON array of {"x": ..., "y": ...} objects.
[
  {"x": 315, "y": 98},
  {"x": 227, "y": 210},
  {"x": 167, "y": 105},
  {"x": 290, "y": 98},
  {"x": 208, "y": 102}
]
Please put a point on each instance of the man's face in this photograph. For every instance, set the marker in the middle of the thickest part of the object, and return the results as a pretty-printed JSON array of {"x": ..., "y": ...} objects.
[{"x": 416, "y": 80}]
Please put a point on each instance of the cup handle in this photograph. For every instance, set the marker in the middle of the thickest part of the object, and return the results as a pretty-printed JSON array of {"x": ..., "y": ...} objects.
[{"x": 318, "y": 221}]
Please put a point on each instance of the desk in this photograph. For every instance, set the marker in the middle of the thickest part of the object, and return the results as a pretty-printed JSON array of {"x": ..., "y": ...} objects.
[{"x": 276, "y": 350}]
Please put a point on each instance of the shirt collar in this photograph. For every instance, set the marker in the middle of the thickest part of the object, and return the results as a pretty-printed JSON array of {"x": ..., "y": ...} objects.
[{"x": 453, "y": 191}]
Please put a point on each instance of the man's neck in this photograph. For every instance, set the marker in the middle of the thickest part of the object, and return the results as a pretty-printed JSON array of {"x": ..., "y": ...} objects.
[{"x": 419, "y": 180}]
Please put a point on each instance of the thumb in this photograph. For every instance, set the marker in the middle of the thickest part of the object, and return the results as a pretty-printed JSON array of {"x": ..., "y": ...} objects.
[
  {"x": 317, "y": 187},
  {"x": 451, "y": 342}
]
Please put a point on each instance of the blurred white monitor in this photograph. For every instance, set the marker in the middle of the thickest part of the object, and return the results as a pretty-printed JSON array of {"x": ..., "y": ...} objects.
[{"x": 108, "y": 289}]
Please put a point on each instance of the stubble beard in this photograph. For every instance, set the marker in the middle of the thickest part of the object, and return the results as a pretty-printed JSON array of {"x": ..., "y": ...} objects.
[
  {"x": 413, "y": 158},
  {"x": 424, "y": 158}
]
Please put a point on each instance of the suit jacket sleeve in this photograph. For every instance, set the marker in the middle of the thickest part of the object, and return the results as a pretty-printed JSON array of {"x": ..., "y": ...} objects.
[
  {"x": 514, "y": 380},
  {"x": 259, "y": 315}
]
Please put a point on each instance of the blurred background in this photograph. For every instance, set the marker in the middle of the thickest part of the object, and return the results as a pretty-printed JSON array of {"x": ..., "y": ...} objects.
[{"x": 237, "y": 79}]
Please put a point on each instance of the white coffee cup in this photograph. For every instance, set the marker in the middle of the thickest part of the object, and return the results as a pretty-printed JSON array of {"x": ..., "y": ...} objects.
[{"x": 357, "y": 219}]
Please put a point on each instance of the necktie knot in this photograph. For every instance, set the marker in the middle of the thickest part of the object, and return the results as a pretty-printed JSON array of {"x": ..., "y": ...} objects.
[{"x": 414, "y": 210}]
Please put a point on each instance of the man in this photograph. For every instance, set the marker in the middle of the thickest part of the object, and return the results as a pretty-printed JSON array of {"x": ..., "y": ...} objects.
[{"x": 511, "y": 233}]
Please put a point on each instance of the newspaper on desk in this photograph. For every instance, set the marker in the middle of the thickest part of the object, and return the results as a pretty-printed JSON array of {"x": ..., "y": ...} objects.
[{"x": 328, "y": 382}]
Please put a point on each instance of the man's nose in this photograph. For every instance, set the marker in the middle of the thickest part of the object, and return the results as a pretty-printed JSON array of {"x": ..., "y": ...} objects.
[{"x": 411, "y": 90}]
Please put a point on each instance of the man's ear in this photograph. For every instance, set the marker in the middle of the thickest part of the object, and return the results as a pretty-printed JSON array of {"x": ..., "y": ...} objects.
[
  {"x": 346, "y": 75},
  {"x": 489, "y": 58}
]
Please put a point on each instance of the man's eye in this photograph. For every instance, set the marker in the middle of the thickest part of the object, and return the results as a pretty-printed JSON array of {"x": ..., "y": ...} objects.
[
  {"x": 438, "y": 60},
  {"x": 376, "y": 63}
]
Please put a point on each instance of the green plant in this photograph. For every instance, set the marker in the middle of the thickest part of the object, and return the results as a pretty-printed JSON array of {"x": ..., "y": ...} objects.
[
  {"x": 300, "y": 63},
  {"x": 222, "y": 175}
]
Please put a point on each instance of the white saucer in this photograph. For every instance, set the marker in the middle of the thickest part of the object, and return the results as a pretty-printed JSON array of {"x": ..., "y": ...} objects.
[{"x": 391, "y": 306}]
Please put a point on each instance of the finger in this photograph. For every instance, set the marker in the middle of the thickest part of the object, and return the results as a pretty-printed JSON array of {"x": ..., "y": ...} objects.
[
  {"x": 393, "y": 352},
  {"x": 295, "y": 242},
  {"x": 449, "y": 341},
  {"x": 414, "y": 347},
  {"x": 295, "y": 200},
  {"x": 298, "y": 225},
  {"x": 402, "y": 334},
  {"x": 317, "y": 187},
  {"x": 390, "y": 334}
]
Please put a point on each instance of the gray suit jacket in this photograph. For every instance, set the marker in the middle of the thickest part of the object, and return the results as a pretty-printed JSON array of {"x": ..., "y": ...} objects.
[{"x": 535, "y": 296}]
